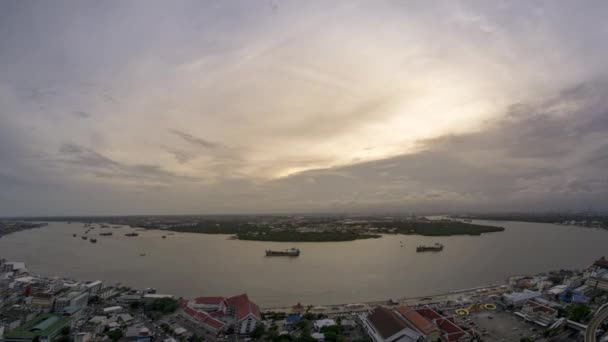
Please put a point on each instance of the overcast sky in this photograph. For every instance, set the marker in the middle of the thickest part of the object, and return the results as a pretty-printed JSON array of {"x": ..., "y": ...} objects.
[{"x": 171, "y": 107}]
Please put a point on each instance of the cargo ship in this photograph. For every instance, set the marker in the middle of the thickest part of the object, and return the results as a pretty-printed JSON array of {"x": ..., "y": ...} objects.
[
  {"x": 131, "y": 234},
  {"x": 292, "y": 252},
  {"x": 105, "y": 234},
  {"x": 433, "y": 248}
]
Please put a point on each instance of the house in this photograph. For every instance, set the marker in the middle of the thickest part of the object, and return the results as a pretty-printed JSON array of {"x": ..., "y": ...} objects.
[
  {"x": 450, "y": 331},
  {"x": 139, "y": 333},
  {"x": 384, "y": 325},
  {"x": 321, "y": 323},
  {"x": 419, "y": 323}
]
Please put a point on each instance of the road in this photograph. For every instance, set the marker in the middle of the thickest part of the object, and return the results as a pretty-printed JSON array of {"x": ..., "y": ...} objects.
[{"x": 600, "y": 316}]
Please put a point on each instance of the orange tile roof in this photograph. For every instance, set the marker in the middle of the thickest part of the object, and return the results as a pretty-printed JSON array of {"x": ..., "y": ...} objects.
[{"x": 417, "y": 320}]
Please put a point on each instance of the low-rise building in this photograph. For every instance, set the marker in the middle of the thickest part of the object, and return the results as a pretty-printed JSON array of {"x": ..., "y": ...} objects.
[
  {"x": 384, "y": 325},
  {"x": 419, "y": 323},
  {"x": 450, "y": 331},
  {"x": 208, "y": 304},
  {"x": 205, "y": 320},
  {"x": 519, "y": 298},
  {"x": 44, "y": 328},
  {"x": 321, "y": 323},
  {"x": 538, "y": 313}
]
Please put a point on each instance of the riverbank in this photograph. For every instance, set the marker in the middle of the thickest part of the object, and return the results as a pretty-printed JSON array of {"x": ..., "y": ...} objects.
[
  {"x": 9, "y": 227},
  {"x": 445, "y": 299}
]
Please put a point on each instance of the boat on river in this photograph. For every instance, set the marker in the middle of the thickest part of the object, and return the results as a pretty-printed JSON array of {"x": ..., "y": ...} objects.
[
  {"x": 437, "y": 247},
  {"x": 292, "y": 252}
]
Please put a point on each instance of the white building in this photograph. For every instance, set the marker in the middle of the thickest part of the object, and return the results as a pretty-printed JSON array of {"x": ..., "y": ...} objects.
[
  {"x": 320, "y": 324},
  {"x": 518, "y": 298}
]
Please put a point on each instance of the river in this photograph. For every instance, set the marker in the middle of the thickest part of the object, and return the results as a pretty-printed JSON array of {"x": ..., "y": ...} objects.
[{"x": 189, "y": 265}]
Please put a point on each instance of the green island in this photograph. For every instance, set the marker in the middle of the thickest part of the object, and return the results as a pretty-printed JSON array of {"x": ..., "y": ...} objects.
[
  {"x": 294, "y": 236},
  {"x": 332, "y": 231},
  {"x": 436, "y": 228}
]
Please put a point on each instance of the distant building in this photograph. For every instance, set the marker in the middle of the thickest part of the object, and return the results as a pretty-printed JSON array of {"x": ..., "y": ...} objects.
[
  {"x": 72, "y": 299},
  {"x": 519, "y": 298},
  {"x": 384, "y": 325},
  {"x": 94, "y": 287}
]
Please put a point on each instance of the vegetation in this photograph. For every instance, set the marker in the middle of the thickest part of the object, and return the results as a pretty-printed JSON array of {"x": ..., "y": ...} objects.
[
  {"x": 333, "y": 333},
  {"x": 600, "y": 220},
  {"x": 578, "y": 312},
  {"x": 436, "y": 228},
  {"x": 161, "y": 307},
  {"x": 293, "y": 236},
  {"x": 114, "y": 335}
]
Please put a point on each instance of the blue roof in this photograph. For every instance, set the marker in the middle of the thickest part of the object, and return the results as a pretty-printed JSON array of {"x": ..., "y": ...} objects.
[{"x": 293, "y": 318}]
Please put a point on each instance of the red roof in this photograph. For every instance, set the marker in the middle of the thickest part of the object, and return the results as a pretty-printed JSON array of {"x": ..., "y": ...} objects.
[
  {"x": 209, "y": 300},
  {"x": 452, "y": 331},
  {"x": 204, "y": 318},
  {"x": 243, "y": 307},
  {"x": 417, "y": 320}
]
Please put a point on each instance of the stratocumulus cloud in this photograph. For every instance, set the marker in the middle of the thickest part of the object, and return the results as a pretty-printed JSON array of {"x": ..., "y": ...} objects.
[{"x": 254, "y": 106}]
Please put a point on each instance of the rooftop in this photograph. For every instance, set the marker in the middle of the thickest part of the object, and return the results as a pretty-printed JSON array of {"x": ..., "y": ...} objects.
[
  {"x": 417, "y": 320},
  {"x": 386, "y": 322},
  {"x": 209, "y": 300},
  {"x": 42, "y": 325}
]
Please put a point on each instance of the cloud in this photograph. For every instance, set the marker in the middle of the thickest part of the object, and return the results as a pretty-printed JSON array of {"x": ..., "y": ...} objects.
[
  {"x": 81, "y": 114},
  {"x": 312, "y": 106},
  {"x": 194, "y": 140}
]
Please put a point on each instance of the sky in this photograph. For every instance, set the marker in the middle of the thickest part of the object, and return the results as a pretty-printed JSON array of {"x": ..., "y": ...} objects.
[{"x": 205, "y": 107}]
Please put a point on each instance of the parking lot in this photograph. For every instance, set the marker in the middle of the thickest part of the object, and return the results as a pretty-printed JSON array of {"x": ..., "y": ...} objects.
[{"x": 501, "y": 326}]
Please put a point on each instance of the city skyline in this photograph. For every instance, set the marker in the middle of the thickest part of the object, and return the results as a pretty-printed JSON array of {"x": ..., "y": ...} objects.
[{"x": 150, "y": 107}]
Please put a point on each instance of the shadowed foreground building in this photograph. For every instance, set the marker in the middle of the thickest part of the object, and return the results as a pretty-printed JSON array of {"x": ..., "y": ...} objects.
[
  {"x": 42, "y": 328},
  {"x": 384, "y": 325}
]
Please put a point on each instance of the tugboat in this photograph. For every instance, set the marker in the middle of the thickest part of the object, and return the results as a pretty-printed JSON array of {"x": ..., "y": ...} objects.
[
  {"x": 437, "y": 247},
  {"x": 73, "y": 235},
  {"x": 292, "y": 252},
  {"x": 131, "y": 234},
  {"x": 164, "y": 237},
  {"x": 84, "y": 237},
  {"x": 93, "y": 240}
]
